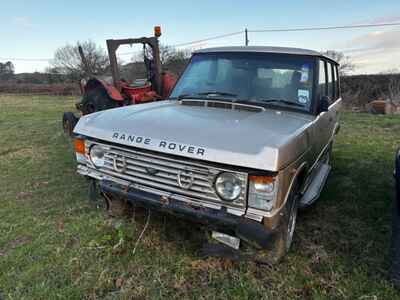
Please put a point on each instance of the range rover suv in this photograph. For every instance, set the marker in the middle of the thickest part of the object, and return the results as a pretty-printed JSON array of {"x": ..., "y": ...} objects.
[{"x": 243, "y": 141}]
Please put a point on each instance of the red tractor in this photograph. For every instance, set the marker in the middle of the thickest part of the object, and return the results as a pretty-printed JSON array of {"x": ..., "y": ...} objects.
[{"x": 104, "y": 93}]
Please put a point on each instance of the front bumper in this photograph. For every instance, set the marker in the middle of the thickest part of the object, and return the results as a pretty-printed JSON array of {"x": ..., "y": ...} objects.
[{"x": 250, "y": 231}]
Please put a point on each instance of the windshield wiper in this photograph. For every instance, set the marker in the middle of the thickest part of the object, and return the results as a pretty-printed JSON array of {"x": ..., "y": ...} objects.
[
  {"x": 183, "y": 96},
  {"x": 208, "y": 94},
  {"x": 216, "y": 93},
  {"x": 287, "y": 102}
]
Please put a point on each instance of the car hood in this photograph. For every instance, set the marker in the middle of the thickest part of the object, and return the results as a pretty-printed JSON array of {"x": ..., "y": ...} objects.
[{"x": 262, "y": 139}]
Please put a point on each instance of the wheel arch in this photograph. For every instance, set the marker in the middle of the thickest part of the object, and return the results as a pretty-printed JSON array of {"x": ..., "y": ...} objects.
[{"x": 301, "y": 175}]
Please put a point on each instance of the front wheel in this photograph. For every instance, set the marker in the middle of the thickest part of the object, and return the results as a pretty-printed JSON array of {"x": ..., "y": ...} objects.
[{"x": 285, "y": 232}]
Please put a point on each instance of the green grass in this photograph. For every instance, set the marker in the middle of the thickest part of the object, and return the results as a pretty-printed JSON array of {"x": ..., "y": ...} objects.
[{"x": 55, "y": 244}]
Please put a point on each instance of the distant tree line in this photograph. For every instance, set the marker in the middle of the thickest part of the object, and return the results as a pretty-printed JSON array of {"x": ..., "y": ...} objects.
[{"x": 6, "y": 70}]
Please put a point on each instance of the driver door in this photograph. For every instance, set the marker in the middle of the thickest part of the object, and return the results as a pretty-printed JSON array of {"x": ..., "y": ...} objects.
[{"x": 323, "y": 122}]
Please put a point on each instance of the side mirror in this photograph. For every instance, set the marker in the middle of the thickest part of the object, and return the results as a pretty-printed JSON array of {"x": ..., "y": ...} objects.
[{"x": 324, "y": 103}]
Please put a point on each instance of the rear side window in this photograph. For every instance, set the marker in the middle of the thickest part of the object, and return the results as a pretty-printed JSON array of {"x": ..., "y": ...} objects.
[
  {"x": 330, "y": 82},
  {"x": 322, "y": 79},
  {"x": 337, "y": 82},
  {"x": 335, "y": 92}
]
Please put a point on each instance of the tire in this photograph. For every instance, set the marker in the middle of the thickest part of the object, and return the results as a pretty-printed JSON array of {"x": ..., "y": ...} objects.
[
  {"x": 96, "y": 100},
  {"x": 69, "y": 121},
  {"x": 283, "y": 237}
]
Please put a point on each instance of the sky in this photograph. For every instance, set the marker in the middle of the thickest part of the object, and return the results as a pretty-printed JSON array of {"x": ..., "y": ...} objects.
[{"x": 33, "y": 30}]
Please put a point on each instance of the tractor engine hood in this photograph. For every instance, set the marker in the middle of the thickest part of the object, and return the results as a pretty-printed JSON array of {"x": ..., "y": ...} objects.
[{"x": 265, "y": 139}]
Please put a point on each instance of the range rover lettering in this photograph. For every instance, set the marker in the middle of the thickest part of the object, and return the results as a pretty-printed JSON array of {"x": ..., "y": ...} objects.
[{"x": 242, "y": 142}]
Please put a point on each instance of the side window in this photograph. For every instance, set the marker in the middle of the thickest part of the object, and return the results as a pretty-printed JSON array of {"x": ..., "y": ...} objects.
[
  {"x": 335, "y": 94},
  {"x": 322, "y": 79},
  {"x": 330, "y": 81},
  {"x": 337, "y": 81}
]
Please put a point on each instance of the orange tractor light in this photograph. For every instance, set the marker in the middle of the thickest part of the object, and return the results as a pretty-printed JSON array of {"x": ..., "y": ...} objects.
[{"x": 157, "y": 31}]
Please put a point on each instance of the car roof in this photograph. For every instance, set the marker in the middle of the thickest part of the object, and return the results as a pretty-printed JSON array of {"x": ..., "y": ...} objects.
[{"x": 265, "y": 49}]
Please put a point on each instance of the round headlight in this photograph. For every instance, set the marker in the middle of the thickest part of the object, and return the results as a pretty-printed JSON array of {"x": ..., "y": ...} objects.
[
  {"x": 228, "y": 186},
  {"x": 97, "y": 155}
]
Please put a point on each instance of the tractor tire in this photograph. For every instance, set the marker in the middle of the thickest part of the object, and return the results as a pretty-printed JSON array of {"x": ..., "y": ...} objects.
[
  {"x": 97, "y": 100},
  {"x": 69, "y": 121},
  {"x": 283, "y": 237}
]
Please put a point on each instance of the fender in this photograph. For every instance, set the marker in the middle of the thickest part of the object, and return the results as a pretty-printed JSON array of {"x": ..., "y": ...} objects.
[
  {"x": 297, "y": 172},
  {"x": 95, "y": 82},
  {"x": 271, "y": 219},
  {"x": 295, "y": 176}
]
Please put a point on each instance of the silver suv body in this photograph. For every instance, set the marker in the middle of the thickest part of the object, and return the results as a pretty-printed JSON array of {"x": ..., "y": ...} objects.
[{"x": 243, "y": 141}]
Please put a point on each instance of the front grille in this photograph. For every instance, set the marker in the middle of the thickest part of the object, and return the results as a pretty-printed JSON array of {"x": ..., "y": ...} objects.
[{"x": 161, "y": 172}]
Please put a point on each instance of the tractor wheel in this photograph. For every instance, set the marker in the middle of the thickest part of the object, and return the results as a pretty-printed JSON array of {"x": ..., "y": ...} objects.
[
  {"x": 69, "y": 122},
  {"x": 97, "y": 100}
]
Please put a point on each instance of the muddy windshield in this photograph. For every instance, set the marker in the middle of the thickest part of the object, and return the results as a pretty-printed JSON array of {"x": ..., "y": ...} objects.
[{"x": 275, "y": 79}]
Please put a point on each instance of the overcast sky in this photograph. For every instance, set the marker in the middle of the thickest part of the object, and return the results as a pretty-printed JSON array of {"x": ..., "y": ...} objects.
[{"x": 35, "y": 29}]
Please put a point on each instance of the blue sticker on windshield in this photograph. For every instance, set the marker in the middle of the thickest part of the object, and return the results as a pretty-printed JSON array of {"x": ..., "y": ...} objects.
[{"x": 303, "y": 96}]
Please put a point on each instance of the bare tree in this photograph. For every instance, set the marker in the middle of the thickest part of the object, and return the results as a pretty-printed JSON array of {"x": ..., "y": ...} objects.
[
  {"x": 67, "y": 59},
  {"x": 173, "y": 59},
  {"x": 346, "y": 65}
]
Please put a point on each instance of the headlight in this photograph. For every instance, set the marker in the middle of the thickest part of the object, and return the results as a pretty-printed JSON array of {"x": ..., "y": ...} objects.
[
  {"x": 262, "y": 192},
  {"x": 97, "y": 155},
  {"x": 228, "y": 186}
]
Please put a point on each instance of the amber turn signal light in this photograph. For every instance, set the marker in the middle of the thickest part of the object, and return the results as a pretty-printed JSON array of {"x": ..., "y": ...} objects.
[
  {"x": 79, "y": 146},
  {"x": 262, "y": 179}
]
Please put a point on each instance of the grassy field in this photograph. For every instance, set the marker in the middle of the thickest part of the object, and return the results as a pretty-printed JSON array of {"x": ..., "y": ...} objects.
[{"x": 55, "y": 244}]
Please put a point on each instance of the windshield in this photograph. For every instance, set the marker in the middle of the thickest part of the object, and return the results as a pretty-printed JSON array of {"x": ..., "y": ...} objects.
[{"x": 262, "y": 78}]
